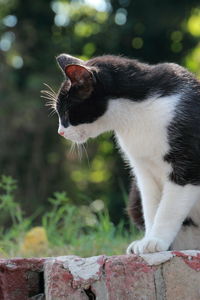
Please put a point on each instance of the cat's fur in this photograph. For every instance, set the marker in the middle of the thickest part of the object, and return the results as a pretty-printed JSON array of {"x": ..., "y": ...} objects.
[{"x": 154, "y": 111}]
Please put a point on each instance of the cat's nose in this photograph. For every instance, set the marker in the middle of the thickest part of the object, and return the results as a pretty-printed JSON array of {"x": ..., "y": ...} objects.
[{"x": 61, "y": 132}]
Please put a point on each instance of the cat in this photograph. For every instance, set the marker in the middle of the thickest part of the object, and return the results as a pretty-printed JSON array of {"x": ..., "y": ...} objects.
[{"x": 154, "y": 112}]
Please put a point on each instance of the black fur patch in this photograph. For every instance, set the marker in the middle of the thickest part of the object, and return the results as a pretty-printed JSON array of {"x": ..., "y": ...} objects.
[
  {"x": 184, "y": 137},
  {"x": 189, "y": 222}
]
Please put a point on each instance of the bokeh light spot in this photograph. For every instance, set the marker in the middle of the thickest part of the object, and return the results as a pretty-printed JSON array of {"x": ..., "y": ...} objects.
[
  {"x": 137, "y": 43},
  {"x": 176, "y": 47},
  {"x": 89, "y": 49},
  {"x": 100, "y": 5},
  {"x": 121, "y": 16},
  {"x": 177, "y": 36},
  {"x": 17, "y": 61},
  {"x": 6, "y": 41},
  {"x": 10, "y": 21},
  {"x": 193, "y": 23},
  {"x": 61, "y": 20}
]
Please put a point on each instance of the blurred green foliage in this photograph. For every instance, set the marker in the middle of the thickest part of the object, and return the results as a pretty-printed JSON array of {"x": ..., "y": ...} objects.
[
  {"x": 31, "y": 35},
  {"x": 66, "y": 229}
]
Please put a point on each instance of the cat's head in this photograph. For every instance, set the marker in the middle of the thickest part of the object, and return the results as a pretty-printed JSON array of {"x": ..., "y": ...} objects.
[{"x": 81, "y": 104}]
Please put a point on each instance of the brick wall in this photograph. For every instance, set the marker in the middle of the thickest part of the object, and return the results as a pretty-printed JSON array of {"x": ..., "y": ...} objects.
[{"x": 158, "y": 276}]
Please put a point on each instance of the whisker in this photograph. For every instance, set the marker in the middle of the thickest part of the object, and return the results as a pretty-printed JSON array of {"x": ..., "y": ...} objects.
[
  {"x": 50, "y": 102},
  {"x": 86, "y": 154},
  {"x": 52, "y": 113},
  {"x": 48, "y": 94},
  {"x": 51, "y": 97},
  {"x": 79, "y": 151},
  {"x": 48, "y": 98},
  {"x": 75, "y": 148},
  {"x": 72, "y": 148},
  {"x": 51, "y": 106},
  {"x": 50, "y": 88}
]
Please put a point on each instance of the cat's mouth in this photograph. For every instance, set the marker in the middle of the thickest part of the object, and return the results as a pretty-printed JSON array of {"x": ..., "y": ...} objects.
[
  {"x": 78, "y": 137},
  {"x": 77, "y": 141}
]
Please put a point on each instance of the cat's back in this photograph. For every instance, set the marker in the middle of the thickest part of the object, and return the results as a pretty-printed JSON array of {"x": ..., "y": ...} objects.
[
  {"x": 175, "y": 77},
  {"x": 117, "y": 63},
  {"x": 165, "y": 77},
  {"x": 160, "y": 69},
  {"x": 112, "y": 60}
]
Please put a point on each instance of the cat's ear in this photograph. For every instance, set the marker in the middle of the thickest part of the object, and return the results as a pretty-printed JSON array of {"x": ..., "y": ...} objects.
[
  {"x": 82, "y": 78},
  {"x": 64, "y": 60},
  {"x": 79, "y": 75}
]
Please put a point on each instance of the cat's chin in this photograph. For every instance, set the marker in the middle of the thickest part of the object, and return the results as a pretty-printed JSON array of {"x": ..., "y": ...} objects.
[{"x": 77, "y": 141}]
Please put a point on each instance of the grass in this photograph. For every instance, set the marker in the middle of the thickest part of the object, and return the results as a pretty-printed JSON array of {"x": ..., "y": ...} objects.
[{"x": 65, "y": 230}]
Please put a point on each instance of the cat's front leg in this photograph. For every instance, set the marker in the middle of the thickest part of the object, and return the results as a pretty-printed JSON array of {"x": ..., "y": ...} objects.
[
  {"x": 147, "y": 245},
  {"x": 174, "y": 207},
  {"x": 150, "y": 193}
]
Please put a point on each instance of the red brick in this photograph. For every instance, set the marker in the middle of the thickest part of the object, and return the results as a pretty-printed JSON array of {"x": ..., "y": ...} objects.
[
  {"x": 118, "y": 277},
  {"x": 71, "y": 277},
  {"x": 129, "y": 277},
  {"x": 20, "y": 279},
  {"x": 164, "y": 275}
]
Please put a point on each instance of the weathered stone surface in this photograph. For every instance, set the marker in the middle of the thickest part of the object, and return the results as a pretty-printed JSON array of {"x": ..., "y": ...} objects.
[
  {"x": 154, "y": 259},
  {"x": 129, "y": 277},
  {"x": 21, "y": 278},
  {"x": 158, "y": 276},
  {"x": 182, "y": 277},
  {"x": 101, "y": 278},
  {"x": 71, "y": 277}
]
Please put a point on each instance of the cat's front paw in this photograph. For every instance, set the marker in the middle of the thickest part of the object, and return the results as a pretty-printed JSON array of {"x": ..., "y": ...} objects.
[{"x": 147, "y": 245}]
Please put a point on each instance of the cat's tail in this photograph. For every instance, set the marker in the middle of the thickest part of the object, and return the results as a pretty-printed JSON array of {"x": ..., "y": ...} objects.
[{"x": 134, "y": 207}]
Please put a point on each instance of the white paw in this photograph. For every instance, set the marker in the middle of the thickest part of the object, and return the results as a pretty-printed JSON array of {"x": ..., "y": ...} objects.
[{"x": 147, "y": 245}]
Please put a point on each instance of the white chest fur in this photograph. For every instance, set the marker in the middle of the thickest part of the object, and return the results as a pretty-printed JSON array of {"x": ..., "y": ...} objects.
[{"x": 142, "y": 131}]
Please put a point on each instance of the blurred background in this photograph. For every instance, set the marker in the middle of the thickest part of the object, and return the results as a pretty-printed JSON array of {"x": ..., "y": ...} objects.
[{"x": 32, "y": 33}]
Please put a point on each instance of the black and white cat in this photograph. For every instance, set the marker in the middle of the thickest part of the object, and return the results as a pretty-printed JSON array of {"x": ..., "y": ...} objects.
[{"x": 154, "y": 111}]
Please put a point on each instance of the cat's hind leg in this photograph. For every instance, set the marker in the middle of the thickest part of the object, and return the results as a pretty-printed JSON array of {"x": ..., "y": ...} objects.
[
  {"x": 134, "y": 207},
  {"x": 188, "y": 237}
]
